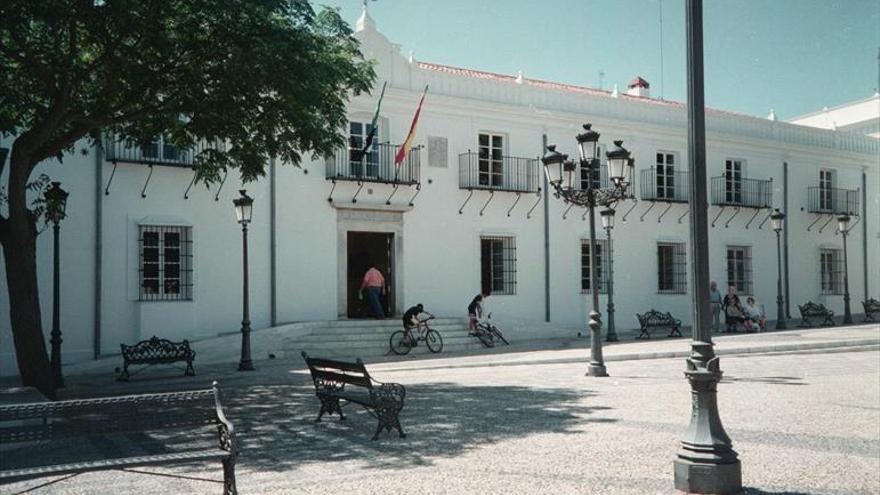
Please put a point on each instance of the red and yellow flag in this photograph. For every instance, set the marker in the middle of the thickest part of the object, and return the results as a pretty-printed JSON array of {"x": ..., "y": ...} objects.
[{"x": 407, "y": 145}]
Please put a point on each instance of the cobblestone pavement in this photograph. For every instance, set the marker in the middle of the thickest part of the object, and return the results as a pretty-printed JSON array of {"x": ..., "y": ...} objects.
[{"x": 803, "y": 423}]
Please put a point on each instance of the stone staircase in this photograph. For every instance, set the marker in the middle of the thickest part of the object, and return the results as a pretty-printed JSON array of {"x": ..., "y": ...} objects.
[{"x": 351, "y": 339}]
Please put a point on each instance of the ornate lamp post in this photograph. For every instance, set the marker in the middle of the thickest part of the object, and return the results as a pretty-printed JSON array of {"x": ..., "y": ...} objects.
[
  {"x": 560, "y": 175},
  {"x": 244, "y": 206},
  {"x": 56, "y": 206},
  {"x": 843, "y": 228},
  {"x": 776, "y": 221},
  {"x": 607, "y": 216},
  {"x": 706, "y": 461}
]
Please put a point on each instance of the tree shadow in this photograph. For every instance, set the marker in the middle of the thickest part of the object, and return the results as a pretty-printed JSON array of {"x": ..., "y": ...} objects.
[
  {"x": 770, "y": 380},
  {"x": 757, "y": 491},
  {"x": 277, "y": 431}
]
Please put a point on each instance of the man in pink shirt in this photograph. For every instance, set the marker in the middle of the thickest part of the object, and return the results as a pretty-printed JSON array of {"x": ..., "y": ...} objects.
[{"x": 374, "y": 284}]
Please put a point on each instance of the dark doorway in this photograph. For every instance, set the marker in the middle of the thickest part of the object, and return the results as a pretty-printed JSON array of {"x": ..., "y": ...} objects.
[{"x": 364, "y": 248}]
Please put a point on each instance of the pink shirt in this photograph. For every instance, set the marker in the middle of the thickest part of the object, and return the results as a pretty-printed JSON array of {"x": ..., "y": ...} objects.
[{"x": 373, "y": 278}]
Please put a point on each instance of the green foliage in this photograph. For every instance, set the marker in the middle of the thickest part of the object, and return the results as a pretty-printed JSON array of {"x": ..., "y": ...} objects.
[{"x": 264, "y": 77}]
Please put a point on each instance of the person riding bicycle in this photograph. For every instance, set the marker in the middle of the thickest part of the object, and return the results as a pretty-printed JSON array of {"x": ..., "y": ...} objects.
[
  {"x": 411, "y": 318},
  {"x": 475, "y": 311}
]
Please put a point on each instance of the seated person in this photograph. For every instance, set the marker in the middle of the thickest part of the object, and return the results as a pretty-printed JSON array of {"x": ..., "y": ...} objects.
[
  {"x": 755, "y": 315},
  {"x": 475, "y": 310},
  {"x": 733, "y": 310}
]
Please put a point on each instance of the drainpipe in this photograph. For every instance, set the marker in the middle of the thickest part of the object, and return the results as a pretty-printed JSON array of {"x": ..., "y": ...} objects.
[
  {"x": 273, "y": 308},
  {"x": 865, "y": 231},
  {"x": 785, "y": 235},
  {"x": 546, "y": 239},
  {"x": 99, "y": 236}
]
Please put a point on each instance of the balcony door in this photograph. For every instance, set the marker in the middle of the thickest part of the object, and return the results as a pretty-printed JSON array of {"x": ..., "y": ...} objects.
[
  {"x": 826, "y": 185},
  {"x": 733, "y": 181},
  {"x": 665, "y": 178},
  {"x": 491, "y": 160},
  {"x": 361, "y": 164}
]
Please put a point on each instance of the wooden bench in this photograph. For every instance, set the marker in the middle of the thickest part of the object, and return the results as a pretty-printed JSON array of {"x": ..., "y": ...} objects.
[
  {"x": 812, "y": 310},
  {"x": 75, "y": 436},
  {"x": 872, "y": 307},
  {"x": 337, "y": 381},
  {"x": 655, "y": 319},
  {"x": 156, "y": 351}
]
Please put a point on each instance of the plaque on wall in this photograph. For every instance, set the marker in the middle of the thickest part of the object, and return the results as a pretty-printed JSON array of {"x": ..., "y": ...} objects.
[{"x": 437, "y": 151}]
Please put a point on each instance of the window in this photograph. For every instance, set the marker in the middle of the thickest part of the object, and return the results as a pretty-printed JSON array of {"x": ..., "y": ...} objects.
[
  {"x": 671, "y": 268},
  {"x": 165, "y": 263},
  {"x": 826, "y": 183},
  {"x": 739, "y": 268},
  {"x": 498, "y": 264},
  {"x": 601, "y": 268},
  {"x": 733, "y": 181},
  {"x": 159, "y": 147},
  {"x": 665, "y": 175},
  {"x": 831, "y": 271},
  {"x": 491, "y": 160},
  {"x": 366, "y": 164},
  {"x": 593, "y": 179}
]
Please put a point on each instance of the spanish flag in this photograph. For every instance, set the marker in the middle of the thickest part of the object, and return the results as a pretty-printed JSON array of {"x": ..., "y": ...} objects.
[{"x": 407, "y": 145}]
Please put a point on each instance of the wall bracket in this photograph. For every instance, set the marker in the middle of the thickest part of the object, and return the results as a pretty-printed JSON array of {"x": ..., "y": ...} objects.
[
  {"x": 735, "y": 213},
  {"x": 716, "y": 216},
  {"x": 668, "y": 207},
  {"x": 645, "y": 213},
  {"x": 110, "y": 180},
  {"x": 470, "y": 194},
  {"x": 518, "y": 195},
  {"x": 147, "y": 183},
  {"x": 537, "y": 201},
  {"x": 565, "y": 213},
  {"x": 686, "y": 211},
  {"x": 225, "y": 175},
  {"x": 491, "y": 196},
  {"x": 830, "y": 218},
  {"x": 330, "y": 197},
  {"x": 418, "y": 190},
  {"x": 752, "y": 219},
  {"x": 193, "y": 181},
  {"x": 393, "y": 192},
  {"x": 631, "y": 208},
  {"x": 360, "y": 187}
]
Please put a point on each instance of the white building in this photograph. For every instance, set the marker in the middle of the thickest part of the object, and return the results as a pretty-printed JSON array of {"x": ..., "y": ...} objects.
[
  {"x": 144, "y": 254},
  {"x": 860, "y": 116}
]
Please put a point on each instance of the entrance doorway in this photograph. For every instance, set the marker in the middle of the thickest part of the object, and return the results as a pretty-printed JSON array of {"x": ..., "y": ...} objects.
[{"x": 365, "y": 248}]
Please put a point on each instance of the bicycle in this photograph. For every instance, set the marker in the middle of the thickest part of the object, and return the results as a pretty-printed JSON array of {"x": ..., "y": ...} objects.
[
  {"x": 485, "y": 336},
  {"x": 402, "y": 341},
  {"x": 486, "y": 327}
]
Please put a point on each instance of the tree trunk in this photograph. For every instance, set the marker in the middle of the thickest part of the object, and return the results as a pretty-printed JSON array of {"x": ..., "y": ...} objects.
[{"x": 20, "y": 255}]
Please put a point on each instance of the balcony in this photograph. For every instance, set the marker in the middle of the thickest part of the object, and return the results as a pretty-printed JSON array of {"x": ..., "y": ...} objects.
[
  {"x": 833, "y": 200},
  {"x": 155, "y": 153},
  {"x": 375, "y": 166},
  {"x": 504, "y": 173},
  {"x": 669, "y": 187},
  {"x": 743, "y": 193}
]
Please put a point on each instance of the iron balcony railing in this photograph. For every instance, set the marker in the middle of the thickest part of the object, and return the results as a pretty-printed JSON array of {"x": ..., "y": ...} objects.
[
  {"x": 377, "y": 165},
  {"x": 156, "y": 153},
  {"x": 671, "y": 187},
  {"x": 502, "y": 173},
  {"x": 749, "y": 193},
  {"x": 833, "y": 200}
]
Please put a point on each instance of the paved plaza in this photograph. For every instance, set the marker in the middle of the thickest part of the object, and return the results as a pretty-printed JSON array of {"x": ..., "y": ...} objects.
[{"x": 803, "y": 422}]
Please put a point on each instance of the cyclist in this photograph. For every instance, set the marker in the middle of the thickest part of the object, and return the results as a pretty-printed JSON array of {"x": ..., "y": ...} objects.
[
  {"x": 475, "y": 311},
  {"x": 411, "y": 319}
]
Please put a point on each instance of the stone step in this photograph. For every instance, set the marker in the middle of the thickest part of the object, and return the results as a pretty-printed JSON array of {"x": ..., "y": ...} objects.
[
  {"x": 368, "y": 323},
  {"x": 372, "y": 351},
  {"x": 354, "y": 341},
  {"x": 379, "y": 333},
  {"x": 383, "y": 329}
]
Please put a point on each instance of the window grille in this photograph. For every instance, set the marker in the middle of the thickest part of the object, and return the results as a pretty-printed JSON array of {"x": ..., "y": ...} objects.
[
  {"x": 498, "y": 264},
  {"x": 831, "y": 271},
  {"x": 602, "y": 252},
  {"x": 739, "y": 268},
  {"x": 165, "y": 263},
  {"x": 671, "y": 268}
]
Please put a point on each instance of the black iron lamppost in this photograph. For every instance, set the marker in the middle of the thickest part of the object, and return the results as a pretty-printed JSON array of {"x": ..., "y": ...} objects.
[
  {"x": 607, "y": 216},
  {"x": 776, "y": 221},
  {"x": 560, "y": 173},
  {"x": 56, "y": 206},
  {"x": 244, "y": 206},
  {"x": 843, "y": 228}
]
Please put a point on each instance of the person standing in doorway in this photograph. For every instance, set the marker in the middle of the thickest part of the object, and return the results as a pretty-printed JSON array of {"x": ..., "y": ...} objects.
[
  {"x": 715, "y": 301},
  {"x": 374, "y": 284}
]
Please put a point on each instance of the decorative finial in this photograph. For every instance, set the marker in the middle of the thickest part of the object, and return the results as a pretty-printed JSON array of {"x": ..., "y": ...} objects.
[
  {"x": 615, "y": 93},
  {"x": 551, "y": 147},
  {"x": 519, "y": 77},
  {"x": 587, "y": 126},
  {"x": 618, "y": 143}
]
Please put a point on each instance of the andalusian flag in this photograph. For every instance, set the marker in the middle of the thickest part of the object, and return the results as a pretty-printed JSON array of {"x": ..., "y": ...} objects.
[
  {"x": 372, "y": 134},
  {"x": 407, "y": 145}
]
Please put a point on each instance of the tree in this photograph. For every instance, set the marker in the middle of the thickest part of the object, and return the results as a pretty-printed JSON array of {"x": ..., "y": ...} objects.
[{"x": 266, "y": 78}]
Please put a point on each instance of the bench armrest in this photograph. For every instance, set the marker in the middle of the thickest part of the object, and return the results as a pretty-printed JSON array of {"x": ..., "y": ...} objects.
[{"x": 389, "y": 393}]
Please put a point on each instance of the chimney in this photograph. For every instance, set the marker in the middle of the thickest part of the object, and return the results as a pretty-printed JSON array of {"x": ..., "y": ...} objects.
[{"x": 639, "y": 87}]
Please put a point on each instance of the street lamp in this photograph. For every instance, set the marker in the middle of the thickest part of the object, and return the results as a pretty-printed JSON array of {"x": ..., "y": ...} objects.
[
  {"x": 776, "y": 221},
  {"x": 244, "y": 206},
  {"x": 560, "y": 175},
  {"x": 56, "y": 207},
  {"x": 843, "y": 228},
  {"x": 607, "y": 216}
]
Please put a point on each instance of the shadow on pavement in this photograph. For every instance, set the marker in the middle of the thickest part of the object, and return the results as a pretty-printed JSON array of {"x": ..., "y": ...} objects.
[{"x": 277, "y": 432}]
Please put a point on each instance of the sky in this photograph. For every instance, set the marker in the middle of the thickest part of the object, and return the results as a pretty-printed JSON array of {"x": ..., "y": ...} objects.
[{"x": 793, "y": 56}]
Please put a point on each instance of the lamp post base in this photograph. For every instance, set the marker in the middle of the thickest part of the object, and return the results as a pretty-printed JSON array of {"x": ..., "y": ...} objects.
[
  {"x": 596, "y": 370},
  {"x": 246, "y": 366},
  {"x": 697, "y": 477}
]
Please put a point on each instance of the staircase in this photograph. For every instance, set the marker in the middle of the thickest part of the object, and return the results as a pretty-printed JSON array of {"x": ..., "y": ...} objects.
[{"x": 350, "y": 339}]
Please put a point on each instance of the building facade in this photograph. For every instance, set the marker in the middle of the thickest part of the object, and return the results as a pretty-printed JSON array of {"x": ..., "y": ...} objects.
[{"x": 145, "y": 252}]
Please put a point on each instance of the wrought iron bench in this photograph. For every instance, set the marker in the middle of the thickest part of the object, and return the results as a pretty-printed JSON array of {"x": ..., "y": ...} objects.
[
  {"x": 74, "y": 436},
  {"x": 812, "y": 310},
  {"x": 384, "y": 401},
  {"x": 872, "y": 307},
  {"x": 156, "y": 351},
  {"x": 655, "y": 319}
]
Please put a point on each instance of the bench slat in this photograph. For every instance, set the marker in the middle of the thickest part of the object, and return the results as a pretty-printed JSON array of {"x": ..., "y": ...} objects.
[
  {"x": 340, "y": 365},
  {"x": 360, "y": 381},
  {"x": 111, "y": 463},
  {"x": 86, "y": 406}
]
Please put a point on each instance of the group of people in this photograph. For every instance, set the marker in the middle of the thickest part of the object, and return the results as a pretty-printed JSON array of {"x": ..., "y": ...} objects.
[
  {"x": 749, "y": 315},
  {"x": 373, "y": 285}
]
